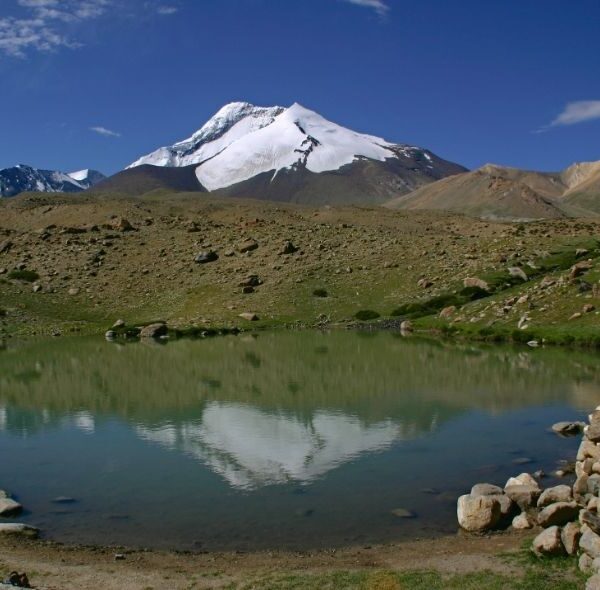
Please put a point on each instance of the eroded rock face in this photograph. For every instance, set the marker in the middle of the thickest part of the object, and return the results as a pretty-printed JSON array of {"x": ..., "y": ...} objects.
[
  {"x": 478, "y": 513},
  {"x": 549, "y": 542}
]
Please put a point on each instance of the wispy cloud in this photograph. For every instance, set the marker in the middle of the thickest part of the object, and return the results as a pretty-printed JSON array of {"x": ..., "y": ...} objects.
[
  {"x": 105, "y": 132},
  {"x": 167, "y": 10},
  {"x": 381, "y": 7},
  {"x": 41, "y": 28},
  {"x": 579, "y": 111}
]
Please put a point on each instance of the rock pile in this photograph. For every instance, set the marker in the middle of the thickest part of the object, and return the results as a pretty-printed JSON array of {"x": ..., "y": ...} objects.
[{"x": 568, "y": 514}]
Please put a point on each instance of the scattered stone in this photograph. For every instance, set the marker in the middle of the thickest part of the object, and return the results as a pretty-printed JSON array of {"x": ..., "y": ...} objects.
[
  {"x": 448, "y": 312},
  {"x": 251, "y": 281},
  {"x": 8, "y": 506},
  {"x": 558, "y": 514},
  {"x": 23, "y": 530},
  {"x": 406, "y": 326},
  {"x": 288, "y": 248},
  {"x": 561, "y": 493},
  {"x": 36, "y": 288},
  {"x": 119, "y": 556},
  {"x": 570, "y": 536},
  {"x": 568, "y": 428},
  {"x": 518, "y": 273},
  {"x": 206, "y": 256},
  {"x": 575, "y": 316},
  {"x": 121, "y": 224},
  {"x": 251, "y": 317},
  {"x": 478, "y": 513},
  {"x": 580, "y": 268},
  {"x": 247, "y": 246},
  {"x": 73, "y": 291},
  {"x": 522, "y": 521},
  {"x": 548, "y": 542},
  {"x": 588, "y": 308},
  {"x": 154, "y": 330},
  {"x": 424, "y": 283},
  {"x": 119, "y": 324},
  {"x": 110, "y": 335}
]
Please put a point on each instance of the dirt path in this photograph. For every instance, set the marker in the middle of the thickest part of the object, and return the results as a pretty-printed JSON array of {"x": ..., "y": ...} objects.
[{"x": 56, "y": 567}]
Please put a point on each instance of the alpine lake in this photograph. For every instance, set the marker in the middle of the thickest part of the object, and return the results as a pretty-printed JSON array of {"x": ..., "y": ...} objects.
[{"x": 278, "y": 439}]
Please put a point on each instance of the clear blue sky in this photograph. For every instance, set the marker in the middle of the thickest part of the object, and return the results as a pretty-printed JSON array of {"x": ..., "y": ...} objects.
[{"x": 472, "y": 80}]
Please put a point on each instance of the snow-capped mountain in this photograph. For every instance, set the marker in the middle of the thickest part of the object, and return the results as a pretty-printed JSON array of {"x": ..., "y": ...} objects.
[
  {"x": 24, "y": 178},
  {"x": 295, "y": 154}
]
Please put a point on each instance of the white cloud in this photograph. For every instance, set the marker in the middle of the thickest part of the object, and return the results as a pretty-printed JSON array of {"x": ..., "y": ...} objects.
[
  {"x": 40, "y": 29},
  {"x": 105, "y": 132},
  {"x": 578, "y": 112},
  {"x": 167, "y": 10},
  {"x": 381, "y": 7}
]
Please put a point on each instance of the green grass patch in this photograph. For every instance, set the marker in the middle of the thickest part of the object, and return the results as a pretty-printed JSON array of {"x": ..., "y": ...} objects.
[
  {"x": 24, "y": 275},
  {"x": 364, "y": 315}
]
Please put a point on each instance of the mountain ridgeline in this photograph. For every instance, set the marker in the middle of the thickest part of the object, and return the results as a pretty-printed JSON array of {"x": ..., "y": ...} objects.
[
  {"x": 22, "y": 178},
  {"x": 286, "y": 154},
  {"x": 295, "y": 155}
]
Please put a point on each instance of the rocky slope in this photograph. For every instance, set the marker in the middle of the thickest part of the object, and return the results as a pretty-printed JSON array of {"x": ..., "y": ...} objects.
[
  {"x": 294, "y": 154},
  {"x": 24, "y": 178},
  {"x": 497, "y": 192},
  {"x": 200, "y": 260}
]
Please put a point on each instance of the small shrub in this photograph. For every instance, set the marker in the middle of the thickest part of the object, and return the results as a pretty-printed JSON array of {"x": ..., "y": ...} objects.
[
  {"x": 320, "y": 293},
  {"x": 24, "y": 275},
  {"x": 365, "y": 315}
]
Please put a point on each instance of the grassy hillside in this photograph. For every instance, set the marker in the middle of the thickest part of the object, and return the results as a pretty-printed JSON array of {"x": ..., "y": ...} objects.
[{"x": 67, "y": 265}]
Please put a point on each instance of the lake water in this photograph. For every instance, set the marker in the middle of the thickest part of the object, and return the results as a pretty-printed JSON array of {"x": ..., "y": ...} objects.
[{"x": 282, "y": 439}]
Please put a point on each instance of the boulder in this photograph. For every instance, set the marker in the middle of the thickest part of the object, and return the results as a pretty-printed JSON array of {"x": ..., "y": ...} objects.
[
  {"x": 568, "y": 428},
  {"x": 580, "y": 268},
  {"x": 590, "y": 519},
  {"x": 206, "y": 256},
  {"x": 475, "y": 282},
  {"x": 19, "y": 529},
  {"x": 589, "y": 542},
  {"x": 525, "y": 496},
  {"x": 592, "y": 432},
  {"x": 406, "y": 326},
  {"x": 593, "y": 583},
  {"x": 570, "y": 536},
  {"x": 560, "y": 493},
  {"x": 588, "y": 449},
  {"x": 478, "y": 513},
  {"x": 548, "y": 542},
  {"x": 250, "y": 317},
  {"x": 585, "y": 562},
  {"x": 8, "y": 506},
  {"x": 558, "y": 514},
  {"x": 486, "y": 489},
  {"x": 154, "y": 331},
  {"x": 522, "y": 521},
  {"x": 524, "y": 479}
]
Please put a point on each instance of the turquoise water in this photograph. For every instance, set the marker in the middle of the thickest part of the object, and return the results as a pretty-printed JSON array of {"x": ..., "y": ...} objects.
[{"x": 283, "y": 439}]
